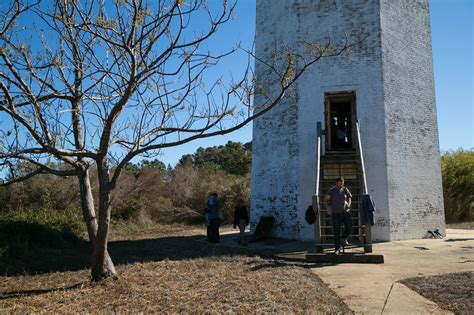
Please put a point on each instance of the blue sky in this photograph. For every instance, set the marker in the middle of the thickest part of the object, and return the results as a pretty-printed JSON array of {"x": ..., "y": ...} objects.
[
  {"x": 453, "y": 43},
  {"x": 452, "y": 37}
]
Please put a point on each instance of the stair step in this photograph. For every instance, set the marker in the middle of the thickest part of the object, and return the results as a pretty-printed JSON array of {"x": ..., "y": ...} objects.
[
  {"x": 339, "y": 158},
  {"x": 337, "y": 167},
  {"x": 350, "y": 175},
  {"x": 326, "y": 172},
  {"x": 358, "y": 245},
  {"x": 350, "y": 183},
  {"x": 355, "y": 205},
  {"x": 339, "y": 161},
  {"x": 327, "y": 226},
  {"x": 352, "y": 235}
]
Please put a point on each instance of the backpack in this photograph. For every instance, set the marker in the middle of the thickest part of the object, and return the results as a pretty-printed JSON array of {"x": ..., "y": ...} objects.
[{"x": 309, "y": 215}]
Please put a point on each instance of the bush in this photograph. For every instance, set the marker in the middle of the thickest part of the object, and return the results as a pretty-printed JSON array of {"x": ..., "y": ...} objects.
[
  {"x": 176, "y": 196},
  {"x": 20, "y": 231},
  {"x": 458, "y": 182},
  {"x": 189, "y": 187},
  {"x": 163, "y": 211},
  {"x": 143, "y": 199},
  {"x": 128, "y": 208},
  {"x": 40, "y": 192},
  {"x": 148, "y": 192}
]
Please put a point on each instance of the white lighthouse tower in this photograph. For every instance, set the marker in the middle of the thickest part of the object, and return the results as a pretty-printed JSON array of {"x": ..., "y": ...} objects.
[{"x": 386, "y": 84}]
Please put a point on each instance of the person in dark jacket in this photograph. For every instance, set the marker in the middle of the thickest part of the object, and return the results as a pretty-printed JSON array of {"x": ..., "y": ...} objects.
[
  {"x": 241, "y": 219},
  {"x": 212, "y": 217}
]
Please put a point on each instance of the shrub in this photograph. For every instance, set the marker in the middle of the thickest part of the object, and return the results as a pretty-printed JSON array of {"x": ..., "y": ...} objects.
[
  {"x": 189, "y": 187},
  {"x": 40, "y": 192},
  {"x": 163, "y": 211},
  {"x": 149, "y": 192},
  {"x": 23, "y": 230},
  {"x": 458, "y": 182}
]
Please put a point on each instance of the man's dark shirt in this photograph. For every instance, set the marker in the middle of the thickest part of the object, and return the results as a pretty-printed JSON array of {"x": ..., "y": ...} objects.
[{"x": 338, "y": 198}]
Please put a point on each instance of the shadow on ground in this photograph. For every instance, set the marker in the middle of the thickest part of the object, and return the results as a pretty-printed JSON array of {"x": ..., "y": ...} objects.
[
  {"x": 458, "y": 239},
  {"x": 13, "y": 294},
  {"x": 45, "y": 260}
]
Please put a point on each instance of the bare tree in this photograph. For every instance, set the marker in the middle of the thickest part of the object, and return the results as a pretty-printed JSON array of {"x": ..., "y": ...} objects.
[{"x": 93, "y": 84}]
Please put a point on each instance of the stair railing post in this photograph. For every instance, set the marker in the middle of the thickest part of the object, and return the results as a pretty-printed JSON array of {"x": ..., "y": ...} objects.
[
  {"x": 367, "y": 227},
  {"x": 315, "y": 198}
]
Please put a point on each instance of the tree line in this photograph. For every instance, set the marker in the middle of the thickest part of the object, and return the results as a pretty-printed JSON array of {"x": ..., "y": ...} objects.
[{"x": 148, "y": 190}]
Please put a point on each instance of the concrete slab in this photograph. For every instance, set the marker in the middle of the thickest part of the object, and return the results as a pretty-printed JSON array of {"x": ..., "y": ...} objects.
[
  {"x": 402, "y": 300},
  {"x": 373, "y": 289}
]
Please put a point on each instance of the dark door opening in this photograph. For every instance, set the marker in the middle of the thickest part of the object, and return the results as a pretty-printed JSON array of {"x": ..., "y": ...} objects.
[{"x": 340, "y": 117}]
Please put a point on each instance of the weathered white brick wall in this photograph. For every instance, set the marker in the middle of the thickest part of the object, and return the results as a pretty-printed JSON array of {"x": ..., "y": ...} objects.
[
  {"x": 362, "y": 73},
  {"x": 413, "y": 158},
  {"x": 284, "y": 147},
  {"x": 275, "y": 144}
]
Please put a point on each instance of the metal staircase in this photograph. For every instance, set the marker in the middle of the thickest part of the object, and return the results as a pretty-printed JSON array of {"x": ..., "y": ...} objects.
[{"x": 349, "y": 165}]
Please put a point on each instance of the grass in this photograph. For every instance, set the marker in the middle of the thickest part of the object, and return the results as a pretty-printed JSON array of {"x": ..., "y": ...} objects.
[
  {"x": 226, "y": 284},
  {"x": 452, "y": 292},
  {"x": 468, "y": 225},
  {"x": 170, "y": 268},
  {"x": 26, "y": 237}
]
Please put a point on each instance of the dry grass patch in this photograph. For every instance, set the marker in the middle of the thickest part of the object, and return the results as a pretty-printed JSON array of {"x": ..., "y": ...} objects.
[
  {"x": 172, "y": 269},
  {"x": 223, "y": 284},
  {"x": 452, "y": 292},
  {"x": 469, "y": 225},
  {"x": 123, "y": 230}
]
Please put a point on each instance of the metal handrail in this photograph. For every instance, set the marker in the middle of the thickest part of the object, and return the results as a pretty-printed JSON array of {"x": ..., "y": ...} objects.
[
  {"x": 367, "y": 228},
  {"x": 318, "y": 158},
  {"x": 361, "y": 155},
  {"x": 315, "y": 201}
]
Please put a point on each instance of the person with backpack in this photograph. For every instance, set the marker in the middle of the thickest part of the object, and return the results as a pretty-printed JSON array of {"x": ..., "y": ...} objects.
[{"x": 338, "y": 200}]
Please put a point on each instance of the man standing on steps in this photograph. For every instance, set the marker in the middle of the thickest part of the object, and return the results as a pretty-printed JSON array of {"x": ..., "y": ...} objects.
[{"x": 338, "y": 200}]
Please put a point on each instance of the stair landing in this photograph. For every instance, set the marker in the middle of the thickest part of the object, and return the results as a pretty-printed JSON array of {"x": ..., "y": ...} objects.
[{"x": 354, "y": 258}]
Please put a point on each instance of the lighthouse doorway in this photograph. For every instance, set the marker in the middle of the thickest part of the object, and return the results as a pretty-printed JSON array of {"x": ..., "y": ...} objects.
[{"x": 340, "y": 117}]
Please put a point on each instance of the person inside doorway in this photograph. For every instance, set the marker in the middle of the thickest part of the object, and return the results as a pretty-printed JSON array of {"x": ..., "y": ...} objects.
[
  {"x": 341, "y": 136},
  {"x": 338, "y": 201},
  {"x": 340, "y": 123}
]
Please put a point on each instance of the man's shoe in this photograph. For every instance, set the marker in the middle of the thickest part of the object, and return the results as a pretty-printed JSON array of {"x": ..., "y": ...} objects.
[
  {"x": 337, "y": 252},
  {"x": 345, "y": 242}
]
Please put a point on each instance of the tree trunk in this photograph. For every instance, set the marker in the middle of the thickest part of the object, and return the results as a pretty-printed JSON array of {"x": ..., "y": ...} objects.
[
  {"x": 87, "y": 205},
  {"x": 102, "y": 265}
]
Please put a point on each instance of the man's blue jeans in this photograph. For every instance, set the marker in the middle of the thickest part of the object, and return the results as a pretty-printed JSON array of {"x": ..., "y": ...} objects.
[{"x": 338, "y": 218}]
